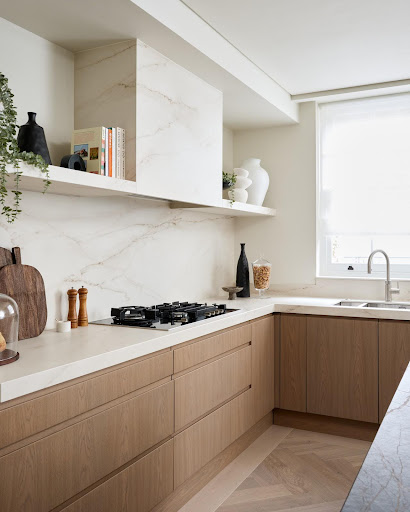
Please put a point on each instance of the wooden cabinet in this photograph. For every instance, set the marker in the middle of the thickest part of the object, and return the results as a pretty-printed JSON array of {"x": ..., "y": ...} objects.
[
  {"x": 200, "y": 391},
  {"x": 201, "y": 442},
  {"x": 211, "y": 347},
  {"x": 293, "y": 362},
  {"x": 138, "y": 488},
  {"x": 394, "y": 357},
  {"x": 44, "y": 474},
  {"x": 263, "y": 366},
  {"x": 38, "y": 414},
  {"x": 342, "y": 367}
]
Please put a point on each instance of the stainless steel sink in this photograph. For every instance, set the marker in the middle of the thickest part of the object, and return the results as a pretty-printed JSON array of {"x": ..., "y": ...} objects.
[
  {"x": 388, "y": 305},
  {"x": 351, "y": 303},
  {"x": 361, "y": 304}
]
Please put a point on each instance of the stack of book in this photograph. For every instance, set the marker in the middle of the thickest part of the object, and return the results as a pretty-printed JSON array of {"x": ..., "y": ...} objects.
[{"x": 102, "y": 149}]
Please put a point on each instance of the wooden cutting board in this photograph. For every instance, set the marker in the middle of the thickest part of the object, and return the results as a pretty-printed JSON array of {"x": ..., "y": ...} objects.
[
  {"x": 6, "y": 258},
  {"x": 26, "y": 286}
]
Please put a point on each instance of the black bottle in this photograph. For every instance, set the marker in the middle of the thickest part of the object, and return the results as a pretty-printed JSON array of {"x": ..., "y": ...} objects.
[
  {"x": 31, "y": 138},
  {"x": 242, "y": 274}
]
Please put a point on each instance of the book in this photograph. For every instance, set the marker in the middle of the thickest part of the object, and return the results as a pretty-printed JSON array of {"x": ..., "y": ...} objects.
[
  {"x": 118, "y": 152},
  {"x": 106, "y": 153},
  {"x": 103, "y": 151},
  {"x": 122, "y": 156},
  {"x": 114, "y": 155},
  {"x": 88, "y": 143},
  {"x": 110, "y": 152}
]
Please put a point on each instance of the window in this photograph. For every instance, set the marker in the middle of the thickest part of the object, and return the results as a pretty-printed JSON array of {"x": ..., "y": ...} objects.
[{"x": 364, "y": 186}]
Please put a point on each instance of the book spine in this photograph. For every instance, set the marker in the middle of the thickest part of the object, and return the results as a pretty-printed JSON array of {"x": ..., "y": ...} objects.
[
  {"x": 102, "y": 151},
  {"x": 118, "y": 153},
  {"x": 123, "y": 154},
  {"x": 110, "y": 152},
  {"x": 114, "y": 152}
]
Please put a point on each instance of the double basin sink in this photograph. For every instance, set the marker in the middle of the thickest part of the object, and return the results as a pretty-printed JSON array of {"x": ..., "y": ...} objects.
[{"x": 362, "y": 304}]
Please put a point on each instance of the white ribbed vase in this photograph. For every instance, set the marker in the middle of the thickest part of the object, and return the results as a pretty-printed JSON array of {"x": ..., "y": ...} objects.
[
  {"x": 238, "y": 192},
  {"x": 260, "y": 181}
]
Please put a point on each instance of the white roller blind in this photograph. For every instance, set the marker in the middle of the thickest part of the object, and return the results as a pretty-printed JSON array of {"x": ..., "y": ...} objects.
[
  {"x": 364, "y": 184},
  {"x": 365, "y": 166}
]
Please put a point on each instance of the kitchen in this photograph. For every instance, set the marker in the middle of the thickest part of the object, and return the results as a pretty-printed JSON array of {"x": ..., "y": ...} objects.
[{"x": 275, "y": 400}]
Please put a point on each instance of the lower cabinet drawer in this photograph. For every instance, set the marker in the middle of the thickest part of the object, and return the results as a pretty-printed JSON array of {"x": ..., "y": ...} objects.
[
  {"x": 137, "y": 488},
  {"x": 56, "y": 407},
  {"x": 212, "y": 346},
  {"x": 200, "y": 391},
  {"x": 46, "y": 473},
  {"x": 201, "y": 442}
]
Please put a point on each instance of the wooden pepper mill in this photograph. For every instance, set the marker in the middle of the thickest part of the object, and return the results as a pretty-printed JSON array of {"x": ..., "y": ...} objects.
[
  {"x": 82, "y": 313},
  {"x": 72, "y": 308}
]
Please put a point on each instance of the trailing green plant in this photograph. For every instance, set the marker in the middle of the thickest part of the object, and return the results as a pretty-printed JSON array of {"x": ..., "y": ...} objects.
[
  {"x": 10, "y": 154},
  {"x": 230, "y": 179}
]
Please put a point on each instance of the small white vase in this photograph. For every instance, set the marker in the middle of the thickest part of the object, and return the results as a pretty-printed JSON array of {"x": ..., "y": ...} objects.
[
  {"x": 260, "y": 181},
  {"x": 238, "y": 192}
]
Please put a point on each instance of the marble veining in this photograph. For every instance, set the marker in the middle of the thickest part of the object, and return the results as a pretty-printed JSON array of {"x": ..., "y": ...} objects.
[
  {"x": 383, "y": 482},
  {"x": 105, "y": 92},
  {"x": 125, "y": 251},
  {"x": 179, "y": 131}
]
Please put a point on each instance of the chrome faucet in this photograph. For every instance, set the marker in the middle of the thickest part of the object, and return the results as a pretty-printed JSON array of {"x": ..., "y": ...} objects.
[{"x": 388, "y": 290}]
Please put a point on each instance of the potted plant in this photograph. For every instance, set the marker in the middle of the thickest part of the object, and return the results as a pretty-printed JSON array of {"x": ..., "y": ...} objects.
[
  {"x": 228, "y": 181},
  {"x": 10, "y": 154}
]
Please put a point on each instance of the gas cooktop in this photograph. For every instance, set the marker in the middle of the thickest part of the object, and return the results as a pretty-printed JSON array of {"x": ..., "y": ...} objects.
[{"x": 164, "y": 316}]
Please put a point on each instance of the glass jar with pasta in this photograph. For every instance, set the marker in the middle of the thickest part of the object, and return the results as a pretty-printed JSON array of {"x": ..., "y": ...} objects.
[{"x": 261, "y": 276}]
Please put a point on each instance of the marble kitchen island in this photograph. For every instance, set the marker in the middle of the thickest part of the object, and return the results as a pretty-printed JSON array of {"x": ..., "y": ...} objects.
[{"x": 383, "y": 482}]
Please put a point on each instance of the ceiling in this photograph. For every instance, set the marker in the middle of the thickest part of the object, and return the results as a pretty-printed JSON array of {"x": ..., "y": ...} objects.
[{"x": 316, "y": 45}]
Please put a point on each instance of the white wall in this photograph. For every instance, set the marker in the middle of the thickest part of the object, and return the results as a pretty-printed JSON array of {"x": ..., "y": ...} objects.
[
  {"x": 41, "y": 77},
  {"x": 288, "y": 153},
  {"x": 288, "y": 240}
]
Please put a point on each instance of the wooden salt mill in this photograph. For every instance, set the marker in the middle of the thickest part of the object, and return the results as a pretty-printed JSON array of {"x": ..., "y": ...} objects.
[
  {"x": 72, "y": 308},
  {"x": 82, "y": 314}
]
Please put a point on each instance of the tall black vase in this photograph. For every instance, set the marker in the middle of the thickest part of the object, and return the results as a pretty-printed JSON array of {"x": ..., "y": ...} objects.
[
  {"x": 31, "y": 138},
  {"x": 242, "y": 274}
]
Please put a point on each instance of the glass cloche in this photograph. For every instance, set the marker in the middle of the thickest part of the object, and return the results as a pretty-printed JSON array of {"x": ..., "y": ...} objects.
[
  {"x": 9, "y": 329},
  {"x": 261, "y": 275}
]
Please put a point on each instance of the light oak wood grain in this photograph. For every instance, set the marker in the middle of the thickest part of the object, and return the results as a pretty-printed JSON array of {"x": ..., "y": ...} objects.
[
  {"x": 293, "y": 363},
  {"x": 46, "y": 473},
  {"x": 394, "y": 356},
  {"x": 138, "y": 488},
  {"x": 201, "y": 442},
  {"x": 208, "y": 348},
  {"x": 263, "y": 367},
  {"x": 326, "y": 424},
  {"x": 306, "y": 472},
  {"x": 342, "y": 368},
  {"x": 201, "y": 390},
  {"x": 198, "y": 480},
  {"x": 33, "y": 416}
]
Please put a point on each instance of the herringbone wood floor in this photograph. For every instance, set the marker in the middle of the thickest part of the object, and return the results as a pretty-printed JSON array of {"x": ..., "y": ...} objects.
[{"x": 306, "y": 472}]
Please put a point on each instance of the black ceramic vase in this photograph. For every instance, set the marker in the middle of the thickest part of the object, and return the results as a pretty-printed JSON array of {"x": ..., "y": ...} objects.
[
  {"x": 31, "y": 138},
  {"x": 242, "y": 274}
]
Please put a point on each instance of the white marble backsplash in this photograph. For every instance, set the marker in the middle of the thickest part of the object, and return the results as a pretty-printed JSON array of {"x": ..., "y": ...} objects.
[{"x": 125, "y": 251}]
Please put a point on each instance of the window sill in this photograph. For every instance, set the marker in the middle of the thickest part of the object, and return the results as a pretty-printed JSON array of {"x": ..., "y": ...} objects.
[{"x": 361, "y": 278}]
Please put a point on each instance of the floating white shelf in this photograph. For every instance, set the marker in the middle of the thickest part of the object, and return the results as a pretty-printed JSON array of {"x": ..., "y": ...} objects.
[
  {"x": 234, "y": 210},
  {"x": 76, "y": 183}
]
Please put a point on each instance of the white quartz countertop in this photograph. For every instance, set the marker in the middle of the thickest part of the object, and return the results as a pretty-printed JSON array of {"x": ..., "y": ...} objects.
[{"x": 53, "y": 358}]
